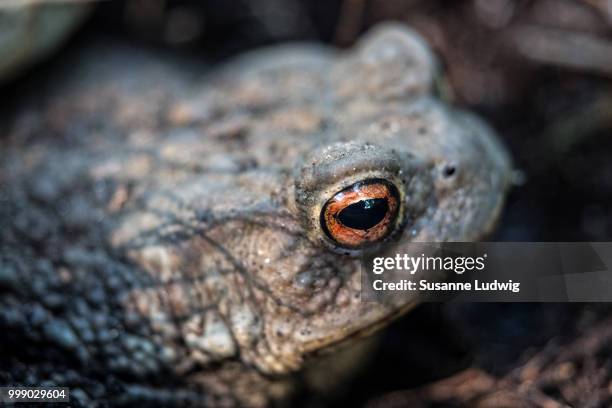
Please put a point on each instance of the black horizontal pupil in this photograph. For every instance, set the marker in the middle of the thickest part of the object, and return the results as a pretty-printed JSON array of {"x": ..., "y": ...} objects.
[{"x": 364, "y": 214}]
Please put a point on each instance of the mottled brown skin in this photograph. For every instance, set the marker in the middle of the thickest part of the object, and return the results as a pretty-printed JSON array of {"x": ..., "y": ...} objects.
[{"x": 160, "y": 230}]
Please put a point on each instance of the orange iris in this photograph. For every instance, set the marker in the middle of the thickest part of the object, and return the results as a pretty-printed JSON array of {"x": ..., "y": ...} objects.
[{"x": 361, "y": 213}]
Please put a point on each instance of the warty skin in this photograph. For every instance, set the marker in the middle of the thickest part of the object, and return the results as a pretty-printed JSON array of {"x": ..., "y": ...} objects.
[{"x": 161, "y": 231}]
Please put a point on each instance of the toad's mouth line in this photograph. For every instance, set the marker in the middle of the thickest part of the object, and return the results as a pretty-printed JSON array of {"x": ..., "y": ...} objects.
[{"x": 326, "y": 344}]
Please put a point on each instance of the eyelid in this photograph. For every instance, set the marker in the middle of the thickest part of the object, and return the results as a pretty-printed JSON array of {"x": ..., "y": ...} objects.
[{"x": 330, "y": 169}]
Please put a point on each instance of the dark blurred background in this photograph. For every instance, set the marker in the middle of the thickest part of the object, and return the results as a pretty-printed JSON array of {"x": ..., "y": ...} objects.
[{"x": 539, "y": 71}]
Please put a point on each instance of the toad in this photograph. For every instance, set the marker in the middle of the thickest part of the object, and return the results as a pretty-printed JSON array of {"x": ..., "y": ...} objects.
[{"x": 179, "y": 236}]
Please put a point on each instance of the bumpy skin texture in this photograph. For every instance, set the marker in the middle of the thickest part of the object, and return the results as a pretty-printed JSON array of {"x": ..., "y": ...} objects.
[{"x": 164, "y": 248}]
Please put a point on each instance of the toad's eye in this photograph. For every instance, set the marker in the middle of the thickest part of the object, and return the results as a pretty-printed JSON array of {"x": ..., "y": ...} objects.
[{"x": 362, "y": 213}]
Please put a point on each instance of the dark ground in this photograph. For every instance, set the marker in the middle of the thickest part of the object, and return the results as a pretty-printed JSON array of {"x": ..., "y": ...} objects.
[{"x": 541, "y": 73}]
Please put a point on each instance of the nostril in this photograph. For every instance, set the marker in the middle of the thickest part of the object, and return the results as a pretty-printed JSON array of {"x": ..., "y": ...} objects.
[{"x": 449, "y": 170}]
